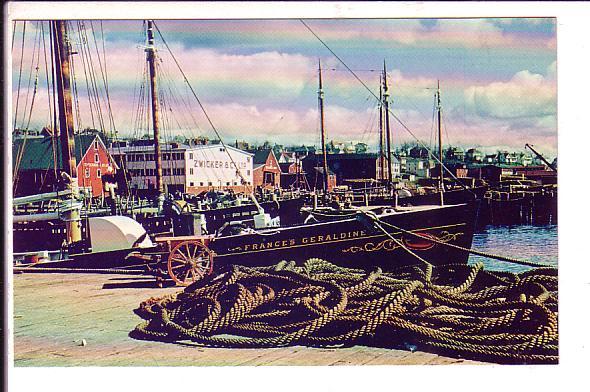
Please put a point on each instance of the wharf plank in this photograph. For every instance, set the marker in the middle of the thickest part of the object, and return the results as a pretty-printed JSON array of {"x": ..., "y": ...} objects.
[{"x": 54, "y": 312}]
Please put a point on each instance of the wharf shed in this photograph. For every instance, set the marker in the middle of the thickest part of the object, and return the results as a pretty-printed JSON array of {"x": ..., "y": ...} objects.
[
  {"x": 37, "y": 163},
  {"x": 186, "y": 168},
  {"x": 354, "y": 166},
  {"x": 267, "y": 172}
]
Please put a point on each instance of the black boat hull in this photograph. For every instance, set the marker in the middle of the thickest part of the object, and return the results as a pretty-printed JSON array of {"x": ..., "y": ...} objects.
[{"x": 354, "y": 243}]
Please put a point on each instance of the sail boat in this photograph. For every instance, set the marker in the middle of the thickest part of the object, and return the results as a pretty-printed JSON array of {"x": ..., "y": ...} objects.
[
  {"x": 65, "y": 234},
  {"x": 382, "y": 236}
]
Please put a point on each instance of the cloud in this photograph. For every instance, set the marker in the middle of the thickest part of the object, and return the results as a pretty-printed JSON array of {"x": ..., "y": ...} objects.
[{"x": 525, "y": 95}]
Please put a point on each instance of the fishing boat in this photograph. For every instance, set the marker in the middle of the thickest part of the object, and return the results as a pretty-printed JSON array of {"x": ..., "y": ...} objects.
[
  {"x": 386, "y": 236},
  {"x": 67, "y": 232}
]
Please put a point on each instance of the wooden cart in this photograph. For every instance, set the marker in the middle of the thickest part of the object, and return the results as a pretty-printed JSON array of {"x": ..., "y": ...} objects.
[{"x": 184, "y": 259}]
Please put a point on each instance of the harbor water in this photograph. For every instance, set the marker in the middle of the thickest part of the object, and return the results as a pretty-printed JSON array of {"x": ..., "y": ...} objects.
[{"x": 525, "y": 242}]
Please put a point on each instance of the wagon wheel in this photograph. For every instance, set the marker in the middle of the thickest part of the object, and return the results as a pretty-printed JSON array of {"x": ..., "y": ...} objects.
[{"x": 189, "y": 261}]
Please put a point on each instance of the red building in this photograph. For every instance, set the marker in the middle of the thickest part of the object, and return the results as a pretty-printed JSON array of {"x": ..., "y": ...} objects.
[
  {"x": 267, "y": 172},
  {"x": 36, "y": 171}
]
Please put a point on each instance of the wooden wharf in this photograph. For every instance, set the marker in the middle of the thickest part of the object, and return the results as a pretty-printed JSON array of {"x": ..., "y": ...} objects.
[{"x": 83, "y": 319}]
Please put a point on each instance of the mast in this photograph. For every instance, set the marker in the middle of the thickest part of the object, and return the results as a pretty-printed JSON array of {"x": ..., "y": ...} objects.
[
  {"x": 151, "y": 57},
  {"x": 323, "y": 131},
  {"x": 440, "y": 151},
  {"x": 381, "y": 135},
  {"x": 387, "y": 131},
  {"x": 66, "y": 126}
]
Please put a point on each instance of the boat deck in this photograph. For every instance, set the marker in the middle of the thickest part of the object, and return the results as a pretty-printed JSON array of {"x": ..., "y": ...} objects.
[{"x": 55, "y": 312}]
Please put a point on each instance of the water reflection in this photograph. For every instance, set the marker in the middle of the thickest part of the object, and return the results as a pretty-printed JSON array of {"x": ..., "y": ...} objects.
[{"x": 532, "y": 243}]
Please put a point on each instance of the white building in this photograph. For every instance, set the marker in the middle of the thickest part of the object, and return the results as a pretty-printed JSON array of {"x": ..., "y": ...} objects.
[
  {"x": 419, "y": 167},
  {"x": 187, "y": 168}
]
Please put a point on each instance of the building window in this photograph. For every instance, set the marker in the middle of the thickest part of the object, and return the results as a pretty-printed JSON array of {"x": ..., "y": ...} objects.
[
  {"x": 190, "y": 170},
  {"x": 98, "y": 173},
  {"x": 87, "y": 172},
  {"x": 269, "y": 178},
  {"x": 227, "y": 183},
  {"x": 248, "y": 172},
  {"x": 201, "y": 183},
  {"x": 96, "y": 158},
  {"x": 190, "y": 155},
  {"x": 96, "y": 144},
  {"x": 210, "y": 183},
  {"x": 191, "y": 183}
]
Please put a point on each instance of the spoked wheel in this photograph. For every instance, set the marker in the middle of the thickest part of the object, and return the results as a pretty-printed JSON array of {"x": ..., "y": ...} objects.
[{"x": 189, "y": 261}]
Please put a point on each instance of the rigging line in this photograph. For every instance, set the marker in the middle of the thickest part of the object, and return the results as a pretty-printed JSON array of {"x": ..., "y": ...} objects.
[
  {"x": 238, "y": 171},
  {"x": 390, "y": 111},
  {"x": 95, "y": 91},
  {"x": 13, "y": 34},
  {"x": 22, "y": 149},
  {"x": 444, "y": 123},
  {"x": 36, "y": 50},
  {"x": 76, "y": 106},
  {"x": 46, "y": 70},
  {"x": 88, "y": 75},
  {"x": 54, "y": 92},
  {"x": 19, "y": 75},
  {"x": 104, "y": 74},
  {"x": 88, "y": 87}
]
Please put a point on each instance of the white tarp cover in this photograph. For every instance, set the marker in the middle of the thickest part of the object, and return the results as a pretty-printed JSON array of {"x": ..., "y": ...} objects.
[{"x": 108, "y": 233}]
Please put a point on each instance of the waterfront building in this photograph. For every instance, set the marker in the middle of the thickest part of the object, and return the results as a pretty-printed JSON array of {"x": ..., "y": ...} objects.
[
  {"x": 420, "y": 167},
  {"x": 524, "y": 159},
  {"x": 38, "y": 163},
  {"x": 473, "y": 155},
  {"x": 506, "y": 158},
  {"x": 350, "y": 166},
  {"x": 185, "y": 167},
  {"x": 455, "y": 154},
  {"x": 267, "y": 173}
]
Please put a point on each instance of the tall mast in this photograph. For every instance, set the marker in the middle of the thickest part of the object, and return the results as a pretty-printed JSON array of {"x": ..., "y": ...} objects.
[
  {"x": 151, "y": 57},
  {"x": 381, "y": 135},
  {"x": 387, "y": 132},
  {"x": 321, "y": 105},
  {"x": 66, "y": 125},
  {"x": 440, "y": 150}
]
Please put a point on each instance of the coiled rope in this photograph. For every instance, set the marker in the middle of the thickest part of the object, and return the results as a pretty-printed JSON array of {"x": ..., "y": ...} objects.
[{"x": 457, "y": 310}]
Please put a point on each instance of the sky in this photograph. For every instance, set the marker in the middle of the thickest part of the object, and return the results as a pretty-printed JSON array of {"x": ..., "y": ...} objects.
[{"x": 257, "y": 79}]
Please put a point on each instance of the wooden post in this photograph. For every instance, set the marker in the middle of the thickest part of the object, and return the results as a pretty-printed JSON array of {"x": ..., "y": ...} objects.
[
  {"x": 323, "y": 131},
  {"x": 66, "y": 126},
  {"x": 381, "y": 133},
  {"x": 387, "y": 130},
  {"x": 440, "y": 151},
  {"x": 151, "y": 57}
]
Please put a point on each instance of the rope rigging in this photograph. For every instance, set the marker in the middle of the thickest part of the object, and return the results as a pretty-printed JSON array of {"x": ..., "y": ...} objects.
[{"x": 390, "y": 111}]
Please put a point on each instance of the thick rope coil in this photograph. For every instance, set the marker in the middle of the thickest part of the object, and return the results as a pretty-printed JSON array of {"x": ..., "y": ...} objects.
[{"x": 456, "y": 310}]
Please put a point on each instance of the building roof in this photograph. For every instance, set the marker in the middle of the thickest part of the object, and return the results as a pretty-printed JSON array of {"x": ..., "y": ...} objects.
[
  {"x": 260, "y": 156},
  {"x": 38, "y": 152},
  {"x": 339, "y": 157}
]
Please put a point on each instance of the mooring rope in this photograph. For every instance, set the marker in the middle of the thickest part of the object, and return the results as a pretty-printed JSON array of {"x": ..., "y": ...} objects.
[{"x": 457, "y": 310}]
